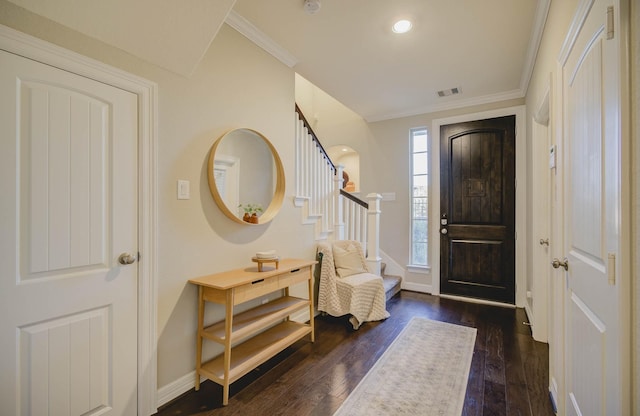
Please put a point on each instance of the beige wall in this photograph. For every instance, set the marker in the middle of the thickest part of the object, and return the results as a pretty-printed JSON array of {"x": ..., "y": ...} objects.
[{"x": 237, "y": 84}]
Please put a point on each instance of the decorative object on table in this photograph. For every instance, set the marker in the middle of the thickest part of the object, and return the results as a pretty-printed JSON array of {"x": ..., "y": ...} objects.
[
  {"x": 268, "y": 256},
  {"x": 251, "y": 212}
]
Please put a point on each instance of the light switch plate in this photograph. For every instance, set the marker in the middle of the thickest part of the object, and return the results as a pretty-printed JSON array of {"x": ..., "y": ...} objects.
[{"x": 183, "y": 189}]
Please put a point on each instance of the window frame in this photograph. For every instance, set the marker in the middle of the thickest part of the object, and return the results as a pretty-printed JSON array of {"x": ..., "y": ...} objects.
[{"x": 412, "y": 266}]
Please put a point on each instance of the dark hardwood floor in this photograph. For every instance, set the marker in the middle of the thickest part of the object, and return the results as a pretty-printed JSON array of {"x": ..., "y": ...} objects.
[{"x": 509, "y": 370}]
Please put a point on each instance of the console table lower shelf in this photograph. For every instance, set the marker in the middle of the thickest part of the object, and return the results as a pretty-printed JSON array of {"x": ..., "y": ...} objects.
[
  {"x": 255, "y": 351},
  {"x": 254, "y": 336}
]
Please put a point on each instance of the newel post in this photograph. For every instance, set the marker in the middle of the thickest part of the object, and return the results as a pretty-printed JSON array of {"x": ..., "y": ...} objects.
[
  {"x": 373, "y": 233},
  {"x": 338, "y": 230}
]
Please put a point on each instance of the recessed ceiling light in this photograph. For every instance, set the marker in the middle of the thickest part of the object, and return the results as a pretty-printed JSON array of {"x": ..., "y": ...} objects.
[{"x": 401, "y": 26}]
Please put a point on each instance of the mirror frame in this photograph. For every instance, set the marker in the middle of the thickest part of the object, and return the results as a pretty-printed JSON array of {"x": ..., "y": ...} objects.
[{"x": 278, "y": 194}]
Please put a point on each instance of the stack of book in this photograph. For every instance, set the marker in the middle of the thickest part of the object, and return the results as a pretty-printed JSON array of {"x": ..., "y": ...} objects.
[{"x": 266, "y": 255}]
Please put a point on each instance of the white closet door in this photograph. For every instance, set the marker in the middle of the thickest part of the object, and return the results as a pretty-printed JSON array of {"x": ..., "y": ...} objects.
[
  {"x": 68, "y": 180},
  {"x": 595, "y": 315}
]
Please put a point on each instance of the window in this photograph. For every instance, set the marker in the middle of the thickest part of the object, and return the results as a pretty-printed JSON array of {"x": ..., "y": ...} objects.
[{"x": 419, "y": 197}]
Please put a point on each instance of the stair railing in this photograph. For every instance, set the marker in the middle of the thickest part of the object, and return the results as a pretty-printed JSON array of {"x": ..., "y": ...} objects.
[
  {"x": 354, "y": 210},
  {"x": 315, "y": 187},
  {"x": 336, "y": 213}
]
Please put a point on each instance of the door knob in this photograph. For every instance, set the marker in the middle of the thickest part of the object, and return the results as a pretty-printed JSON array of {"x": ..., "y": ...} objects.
[
  {"x": 564, "y": 263},
  {"x": 544, "y": 242},
  {"x": 126, "y": 258}
]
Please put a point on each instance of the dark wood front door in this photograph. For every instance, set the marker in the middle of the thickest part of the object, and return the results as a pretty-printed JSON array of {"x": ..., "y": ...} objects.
[{"x": 477, "y": 209}]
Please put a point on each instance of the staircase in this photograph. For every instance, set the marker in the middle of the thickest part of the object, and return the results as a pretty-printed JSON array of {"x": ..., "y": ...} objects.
[
  {"x": 335, "y": 214},
  {"x": 391, "y": 283}
]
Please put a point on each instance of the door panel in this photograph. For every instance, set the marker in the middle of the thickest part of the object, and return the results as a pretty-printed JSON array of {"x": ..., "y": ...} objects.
[
  {"x": 63, "y": 364},
  {"x": 592, "y": 143},
  {"x": 477, "y": 244},
  {"x": 69, "y": 208},
  {"x": 63, "y": 180}
]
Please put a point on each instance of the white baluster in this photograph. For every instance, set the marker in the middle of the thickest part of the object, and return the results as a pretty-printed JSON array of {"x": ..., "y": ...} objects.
[
  {"x": 339, "y": 204},
  {"x": 326, "y": 200},
  {"x": 352, "y": 223},
  {"x": 363, "y": 227},
  {"x": 305, "y": 164},
  {"x": 298, "y": 157}
]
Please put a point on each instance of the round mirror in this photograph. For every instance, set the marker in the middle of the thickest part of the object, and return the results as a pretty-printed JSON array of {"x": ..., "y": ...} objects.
[{"x": 246, "y": 177}]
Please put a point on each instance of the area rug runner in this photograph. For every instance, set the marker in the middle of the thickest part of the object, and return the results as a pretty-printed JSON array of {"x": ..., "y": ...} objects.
[{"x": 423, "y": 372}]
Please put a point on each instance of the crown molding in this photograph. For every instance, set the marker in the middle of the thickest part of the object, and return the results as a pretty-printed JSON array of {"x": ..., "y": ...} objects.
[
  {"x": 255, "y": 35},
  {"x": 450, "y": 105},
  {"x": 540, "y": 19}
]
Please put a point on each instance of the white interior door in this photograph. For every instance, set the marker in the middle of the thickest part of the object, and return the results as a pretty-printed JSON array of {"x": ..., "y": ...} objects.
[
  {"x": 595, "y": 322},
  {"x": 556, "y": 246},
  {"x": 538, "y": 278},
  {"x": 68, "y": 179}
]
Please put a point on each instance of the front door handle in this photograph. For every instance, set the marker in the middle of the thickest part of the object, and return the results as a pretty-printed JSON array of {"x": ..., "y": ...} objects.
[{"x": 564, "y": 263}]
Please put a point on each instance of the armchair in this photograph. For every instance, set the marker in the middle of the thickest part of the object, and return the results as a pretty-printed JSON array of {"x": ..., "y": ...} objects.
[{"x": 347, "y": 286}]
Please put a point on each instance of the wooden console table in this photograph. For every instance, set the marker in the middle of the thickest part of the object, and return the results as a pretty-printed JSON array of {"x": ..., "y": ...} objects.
[{"x": 238, "y": 286}]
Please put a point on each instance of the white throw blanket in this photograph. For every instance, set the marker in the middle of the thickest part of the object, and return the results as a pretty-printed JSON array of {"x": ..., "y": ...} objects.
[{"x": 362, "y": 294}]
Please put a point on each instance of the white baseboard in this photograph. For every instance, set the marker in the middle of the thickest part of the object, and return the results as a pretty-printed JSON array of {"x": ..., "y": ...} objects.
[
  {"x": 529, "y": 313},
  {"x": 417, "y": 287},
  {"x": 173, "y": 390},
  {"x": 553, "y": 394},
  {"x": 481, "y": 301}
]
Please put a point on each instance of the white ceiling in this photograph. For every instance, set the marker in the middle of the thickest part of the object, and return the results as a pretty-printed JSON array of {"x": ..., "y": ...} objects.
[
  {"x": 163, "y": 32},
  {"x": 485, "y": 48}
]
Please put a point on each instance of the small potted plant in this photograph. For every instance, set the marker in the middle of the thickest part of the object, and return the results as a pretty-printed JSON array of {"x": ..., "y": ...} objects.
[{"x": 251, "y": 212}]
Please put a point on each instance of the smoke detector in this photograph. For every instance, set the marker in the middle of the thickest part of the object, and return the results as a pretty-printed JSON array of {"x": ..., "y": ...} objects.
[{"x": 311, "y": 6}]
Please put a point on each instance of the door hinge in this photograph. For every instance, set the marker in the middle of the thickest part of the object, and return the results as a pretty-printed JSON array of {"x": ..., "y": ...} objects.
[
  {"x": 610, "y": 28},
  {"x": 611, "y": 268},
  {"x": 515, "y": 235}
]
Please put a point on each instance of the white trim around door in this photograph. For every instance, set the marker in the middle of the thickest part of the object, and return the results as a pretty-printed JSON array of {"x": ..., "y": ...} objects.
[{"x": 45, "y": 52}]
